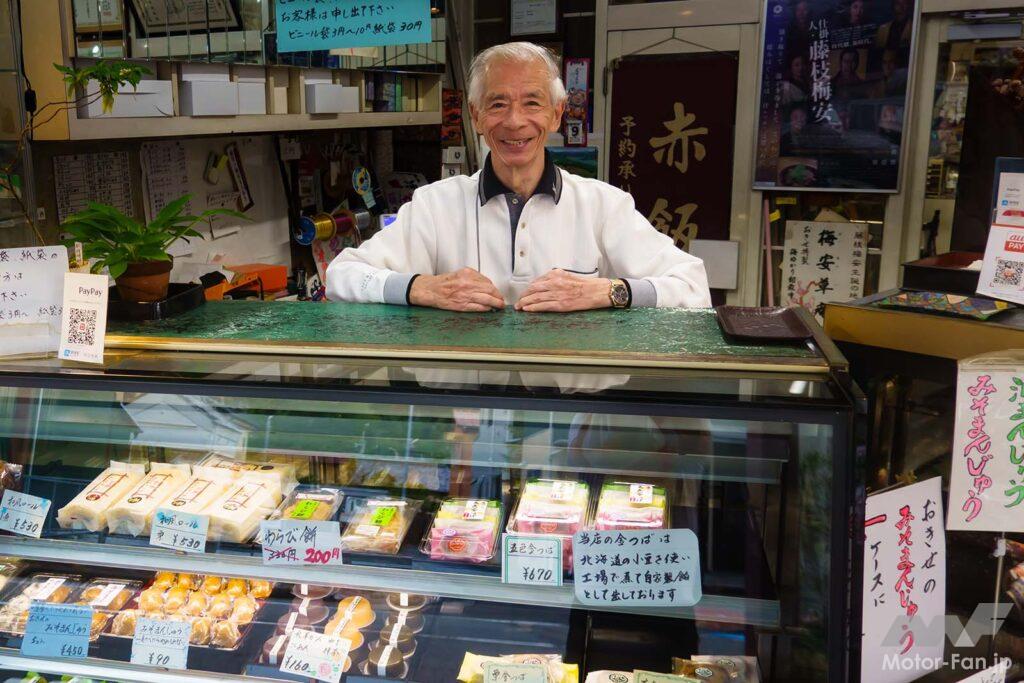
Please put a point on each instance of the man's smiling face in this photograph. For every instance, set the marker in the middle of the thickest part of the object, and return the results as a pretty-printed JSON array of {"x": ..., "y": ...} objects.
[{"x": 517, "y": 113}]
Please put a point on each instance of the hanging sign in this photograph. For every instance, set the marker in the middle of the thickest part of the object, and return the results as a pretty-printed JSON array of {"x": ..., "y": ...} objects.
[
  {"x": 577, "y": 74},
  {"x": 31, "y": 287},
  {"x": 823, "y": 262},
  {"x": 904, "y": 600},
  {"x": 310, "y": 25}
]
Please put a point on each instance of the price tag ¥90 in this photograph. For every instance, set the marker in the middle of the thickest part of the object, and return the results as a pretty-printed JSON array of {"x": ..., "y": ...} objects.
[
  {"x": 179, "y": 530},
  {"x": 23, "y": 514},
  {"x": 161, "y": 644},
  {"x": 531, "y": 560}
]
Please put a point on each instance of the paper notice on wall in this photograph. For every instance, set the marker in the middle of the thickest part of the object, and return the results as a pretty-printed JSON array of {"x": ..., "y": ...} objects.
[
  {"x": 104, "y": 178},
  {"x": 1002, "y": 268},
  {"x": 986, "y": 489},
  {"x": 31, "y": 295},
  {"x": 823, "y": 262},
  {"x": 904, "y": 583},
  {"x": 165, "y": 167}
]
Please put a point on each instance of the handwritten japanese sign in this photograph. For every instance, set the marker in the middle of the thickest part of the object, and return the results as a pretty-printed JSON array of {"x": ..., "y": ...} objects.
[
  {"x": 904, "y": 583},
  {"x": 653, "y": 568},
  {"x": 162, "y": 644},
  {"x": 315, "y": 655},
  {"x": 288, "y": 541},
  {"x": 23, "y": 514},
  {"x": 31, "y": 292},
  {"x": 316, "y": 25},
  {"x": 55, "y": 630},
  {"x": 641, "y": 676},
  {"x": 986, "y": 486},
  {"x": 179, "y": 530},
  {"x": 505, "y": 672},
  {"x": 531, "y": 560},
  {"x": 823, "y": 262}
]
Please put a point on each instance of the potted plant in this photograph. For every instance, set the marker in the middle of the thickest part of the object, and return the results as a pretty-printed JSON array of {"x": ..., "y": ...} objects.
[{"x": 135, "y": 253}]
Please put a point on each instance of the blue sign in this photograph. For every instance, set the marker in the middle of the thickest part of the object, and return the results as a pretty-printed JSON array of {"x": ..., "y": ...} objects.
[
  {"x": 318, "y": 25},
  {"x": 55, "y": 630}
]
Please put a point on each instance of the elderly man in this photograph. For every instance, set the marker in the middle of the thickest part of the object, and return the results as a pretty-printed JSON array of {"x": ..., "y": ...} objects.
[{"x": 520, "y": 232}]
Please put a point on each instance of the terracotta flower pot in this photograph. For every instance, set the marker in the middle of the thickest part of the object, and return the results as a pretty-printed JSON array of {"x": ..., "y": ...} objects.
[{"x": 145, "y": 281}]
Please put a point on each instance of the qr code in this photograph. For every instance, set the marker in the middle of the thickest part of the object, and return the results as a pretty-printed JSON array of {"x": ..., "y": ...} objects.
[
  {"x": 1008, "y": 272},
  {"x": 83, "y": 327}
]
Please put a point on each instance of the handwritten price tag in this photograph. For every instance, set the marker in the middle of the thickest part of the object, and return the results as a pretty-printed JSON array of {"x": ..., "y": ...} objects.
[
  {"x": 531, "y": 560},
  {"x": 55, "y": 630},
  {"x": 640, "y": 676},
  {"x": 290, "y": 541},
  {"x": 23, "y": 514},
  {"x": 179, "y": 530},
  {"x": 161, "y": 644},
  {"x": 315, "y": 655},
  {"x": 501, "y": 672}
]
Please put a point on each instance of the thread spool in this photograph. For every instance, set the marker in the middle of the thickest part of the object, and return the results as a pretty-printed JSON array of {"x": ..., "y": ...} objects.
[{"x": 323, "y": 226}]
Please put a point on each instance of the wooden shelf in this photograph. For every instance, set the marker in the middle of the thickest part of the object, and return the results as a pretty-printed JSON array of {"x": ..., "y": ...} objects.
[{"x": 175, "y": 126}]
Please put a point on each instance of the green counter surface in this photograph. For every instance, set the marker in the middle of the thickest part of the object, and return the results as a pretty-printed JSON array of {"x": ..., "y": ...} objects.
[{"x": 673, "y": 337}]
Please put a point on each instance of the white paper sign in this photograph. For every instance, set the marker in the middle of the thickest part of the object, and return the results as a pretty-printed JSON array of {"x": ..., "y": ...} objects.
[
  {"x": 994, "y": 674},
  {"x": 83, "y": 326},
  {"x": 315, "y": 655},
  {"x": 904, "y": 583},
  {"x": 179, "y": 530},
  {"x": 23, "y": 514},
  {"x": 507, "y": 672},
  {"x": 823, "y": 262},
  {"x": 1002, "y": 268},
  {"x": 986, "y": 489},
  {"x": 531, "y": 560},
  {"x": 532, "y": 17},
  {"x": 617, "y": 567},
  {"x": 292, "y": 541},
  {"x": 161, "y": 644},
  {"x": 31, "y": 299},
  {"x": 1010, "y": 200}
]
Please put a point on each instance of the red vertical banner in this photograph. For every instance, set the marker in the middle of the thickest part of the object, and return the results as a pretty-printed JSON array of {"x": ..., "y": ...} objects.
[
  {"x": 671, "y": 144},
  {"x": 577, "y": 76}
]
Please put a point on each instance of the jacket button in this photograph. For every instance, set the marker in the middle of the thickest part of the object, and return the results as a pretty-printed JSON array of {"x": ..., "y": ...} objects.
[
  {"x": 522, "y": 226},
  {"x": 522, "y": 253}
]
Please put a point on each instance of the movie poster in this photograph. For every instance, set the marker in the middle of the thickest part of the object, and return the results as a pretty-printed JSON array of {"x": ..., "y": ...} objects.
[{"x": 833, "y": 94}]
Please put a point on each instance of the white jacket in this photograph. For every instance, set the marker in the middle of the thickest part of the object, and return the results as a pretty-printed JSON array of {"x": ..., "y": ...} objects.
[{"x": 592, "y": 229}]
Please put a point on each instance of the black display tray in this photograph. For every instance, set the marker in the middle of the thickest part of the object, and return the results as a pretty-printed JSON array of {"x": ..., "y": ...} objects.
[
  {"x": 181, "y": 298},
  {"x": 943, "y": 273}
]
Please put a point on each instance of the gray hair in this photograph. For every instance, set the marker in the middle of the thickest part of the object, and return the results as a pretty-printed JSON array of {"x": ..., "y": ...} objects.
[{"x": 522, "y": 53}]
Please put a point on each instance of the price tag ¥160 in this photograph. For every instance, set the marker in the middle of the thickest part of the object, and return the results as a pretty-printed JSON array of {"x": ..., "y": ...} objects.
[
  {"x": 179, "y": 530},
  {"x": 23, "y": 514},
  {"x": 531, "y": 560},
  {"x": 161, "y": 644},
  {"x": 315, "y": 655}
]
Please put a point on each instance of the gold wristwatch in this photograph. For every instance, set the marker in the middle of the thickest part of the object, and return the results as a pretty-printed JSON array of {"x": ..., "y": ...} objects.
[{"x": 618, "y": 292}]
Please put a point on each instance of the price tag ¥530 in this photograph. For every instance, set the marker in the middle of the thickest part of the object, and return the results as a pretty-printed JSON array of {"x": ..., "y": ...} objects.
[
  {"x": 179, "y": 530},
  {"x": 23, "y": 514},
  {"x": 531, "y": 560},
  {"x": 292, "y": 541},
  {"x": 159, "y": 643}
]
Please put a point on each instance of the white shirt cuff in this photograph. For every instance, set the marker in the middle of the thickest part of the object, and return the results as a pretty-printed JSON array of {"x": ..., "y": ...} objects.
[
  {"x": 644, "y": 293},
  {"x": 396, "y": 288}
]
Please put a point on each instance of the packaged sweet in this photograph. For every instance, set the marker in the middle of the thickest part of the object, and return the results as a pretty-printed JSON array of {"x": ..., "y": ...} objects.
[
  {"x": 202, "y": 628},
  {"x": 273, "y": 650},
  {"x": 225, "y": 634},
  {"x": 283, "y": 473},
  {"x": 625, "y": 505},
  {"x": 151, "y": 599},
  {"x": 52, "y": 588},
  {"x": 316, "y": 504},
  {"x": 309, "y": 590},
  {"x": 9, "y": 568},
  {"x": 472, "y": 669},
  {"x": 175, "y": 599},
  {"x": 236, "y": 514},
  {"x": 124, "y": 623},
  {"x": 220, "y": 606},
  {"x": 244, "y": 610},
  {"x": 741, "y": 669},
  {"x": 357, "y": 609},
  {"x": 260, "y": 588},
  {"x": 197, "y": 604},
  {"x": 464, "y": 530},
  {"x": 344, "y": 628},
  {"x": 108, "y": 594},
  {"x": 211, "y": 584},
  {"x": 610, "y": 677},
  {"x": 164, "y": 580},
  {"x": 413, "y": 620},
  {"x": 553, "y": 508},
  {"x": 291, "y": 621},
  {"x": 133, "y": 514},
  {"x": 88, "y": 510},
  {"x": 385, "y": 661},
  {"x": 10, "y": 476},
  {"x": 399, "y": 636},
  {"x": 236, "y": 587},
  {"x": 406, "y": 602},
  {"x": 700, "y": 671},
  {"x": 379, "y": 525},
  {"x": 188, "y": 581},
  {"x": 314, "y": 610},
  {"x": 205, "y": 486}
]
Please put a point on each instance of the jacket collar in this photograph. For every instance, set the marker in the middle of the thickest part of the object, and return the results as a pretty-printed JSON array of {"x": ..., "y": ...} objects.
[{"x": 490, "y": 185}]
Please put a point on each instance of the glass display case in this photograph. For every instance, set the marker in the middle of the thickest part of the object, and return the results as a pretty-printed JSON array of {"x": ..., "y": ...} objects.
[{"x": 425, "y": 465}]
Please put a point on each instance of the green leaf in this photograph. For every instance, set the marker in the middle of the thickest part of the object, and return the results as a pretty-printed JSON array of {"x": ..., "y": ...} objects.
[{"x": 117, "y": 270}]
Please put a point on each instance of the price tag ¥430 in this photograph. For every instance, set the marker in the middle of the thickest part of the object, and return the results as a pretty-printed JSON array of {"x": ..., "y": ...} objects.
[
  {"x": 531, "y": 560},
  {"x": 23, "y": 514},
  {"x": 179, "y": 530}
]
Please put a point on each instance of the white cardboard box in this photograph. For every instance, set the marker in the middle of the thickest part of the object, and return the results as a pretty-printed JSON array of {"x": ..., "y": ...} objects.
[
  {"x": 329, "y": 98},
  {"x": 252, "y": 98},
  {"x": 197, "y": 71},
  {"x": 208, "y": 98},
  {"x": 151, "y": 98}
]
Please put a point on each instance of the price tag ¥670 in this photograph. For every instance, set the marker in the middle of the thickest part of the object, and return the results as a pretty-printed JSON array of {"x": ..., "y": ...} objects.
[
  {"x": 162, "y": 644},
  {"x": 531, "y": 560},
  {"x": 292, "y": 541},
  {"x": 179, "y": 530},
  {"x": 23, "y": 514}
]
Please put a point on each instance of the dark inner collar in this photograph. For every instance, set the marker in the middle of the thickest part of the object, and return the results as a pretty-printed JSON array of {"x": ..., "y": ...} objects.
[{"x": 550, "y": 181}]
